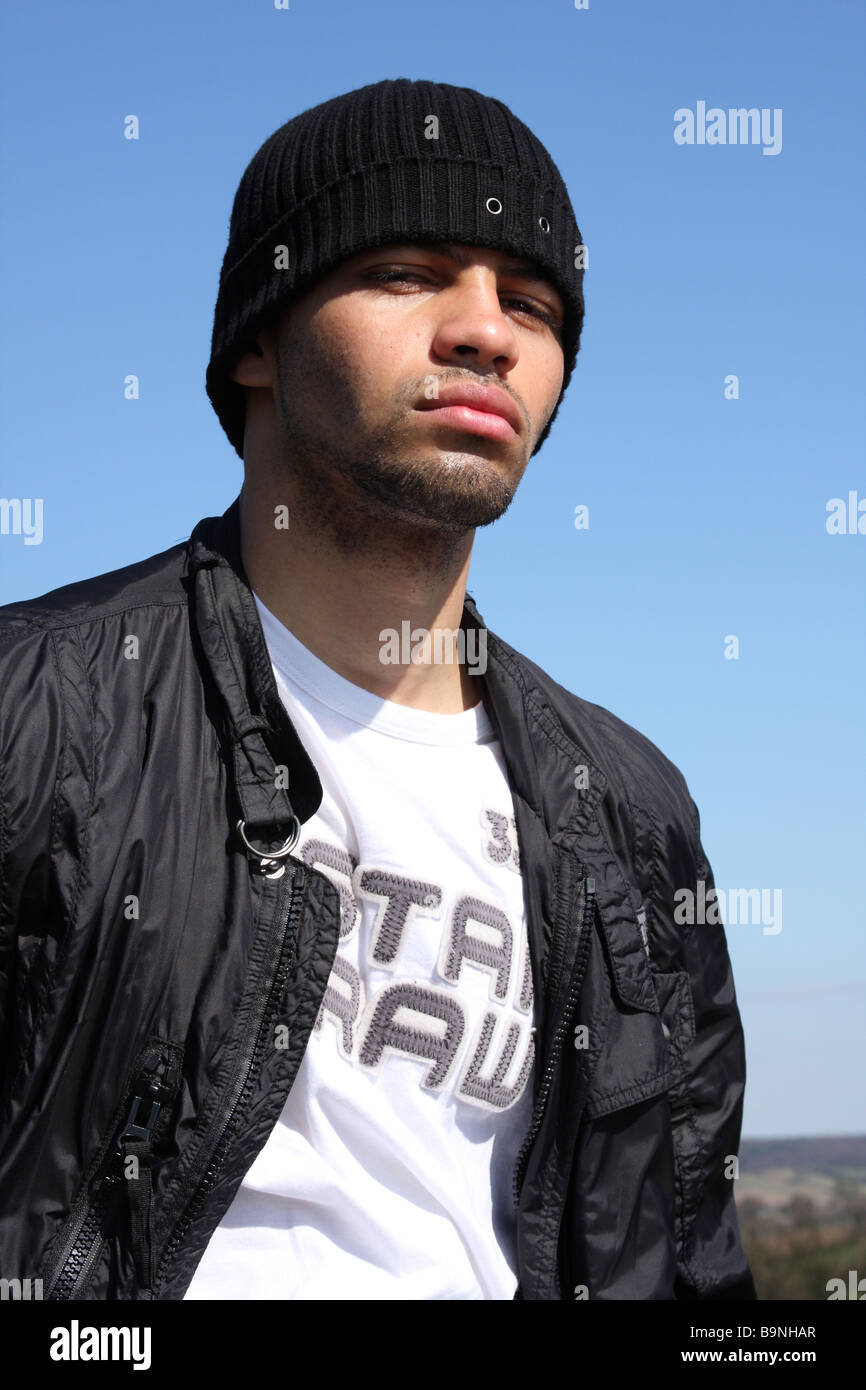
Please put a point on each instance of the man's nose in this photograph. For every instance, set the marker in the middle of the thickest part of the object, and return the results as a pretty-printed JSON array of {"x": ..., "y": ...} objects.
[{"x": 471, "y": 321}]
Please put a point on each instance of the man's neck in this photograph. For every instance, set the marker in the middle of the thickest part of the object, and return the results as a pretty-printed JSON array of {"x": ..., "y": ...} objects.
[{"x": 339, "y": 599}]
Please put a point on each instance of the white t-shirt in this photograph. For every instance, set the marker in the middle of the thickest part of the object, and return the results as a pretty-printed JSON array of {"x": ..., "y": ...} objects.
[{"x": 389, "y": 1172}]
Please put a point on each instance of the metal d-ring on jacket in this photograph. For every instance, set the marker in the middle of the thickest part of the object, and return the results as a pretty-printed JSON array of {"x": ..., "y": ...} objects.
[{"x": 155, "y": 929}]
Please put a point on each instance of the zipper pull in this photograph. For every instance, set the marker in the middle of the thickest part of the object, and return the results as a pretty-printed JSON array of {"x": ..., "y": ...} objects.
[
  {"x": 141, "y": 1132},
  {"x": 134, "y": 1142},
  {"x": 140, "y": 1192},
  {"x": 144, "y": 1107}
]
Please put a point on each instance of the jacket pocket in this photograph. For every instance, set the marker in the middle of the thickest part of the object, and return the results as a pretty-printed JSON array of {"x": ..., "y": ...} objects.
[
  {"x": 676, "y": 1004},
  {"x": 676, "y": 1010},
  {"x": 635, "y": 1059}
]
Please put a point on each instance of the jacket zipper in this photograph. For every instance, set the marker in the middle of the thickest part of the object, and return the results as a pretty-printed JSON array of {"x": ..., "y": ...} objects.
[
  {"x": 247, "y": 1075},
  {"x": 142, "y": 1108},
  {"x": 574, "y": 989}
]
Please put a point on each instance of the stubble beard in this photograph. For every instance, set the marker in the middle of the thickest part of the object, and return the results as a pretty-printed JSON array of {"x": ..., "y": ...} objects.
[{"x": 352, "y": 487}]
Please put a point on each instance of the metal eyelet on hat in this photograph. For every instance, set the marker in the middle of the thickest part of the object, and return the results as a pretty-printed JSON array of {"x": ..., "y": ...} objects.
[
  {"x": 544, "y": 224},
  {"x": 269, "y": 863},
  {"x": 496, "y": 211}
]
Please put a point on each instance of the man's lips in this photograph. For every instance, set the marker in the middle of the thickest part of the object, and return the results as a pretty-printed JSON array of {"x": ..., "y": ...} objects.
[
  {"x": 460, "y": 417},
  {"x": 477, "y": 409}
]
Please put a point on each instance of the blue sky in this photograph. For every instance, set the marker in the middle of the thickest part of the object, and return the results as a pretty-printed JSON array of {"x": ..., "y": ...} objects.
[{"x": 707, "y": 515}]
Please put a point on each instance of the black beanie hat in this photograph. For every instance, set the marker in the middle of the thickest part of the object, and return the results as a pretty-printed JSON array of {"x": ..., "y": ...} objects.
[{"x": 394, "y": 161}]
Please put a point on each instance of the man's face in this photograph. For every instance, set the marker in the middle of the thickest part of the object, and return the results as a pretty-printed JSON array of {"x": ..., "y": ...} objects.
[{"x": 361, "y": 364}]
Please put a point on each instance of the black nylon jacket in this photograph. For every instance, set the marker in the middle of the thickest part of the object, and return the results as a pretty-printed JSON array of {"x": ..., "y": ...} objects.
[{"x": 147, "y": 956}]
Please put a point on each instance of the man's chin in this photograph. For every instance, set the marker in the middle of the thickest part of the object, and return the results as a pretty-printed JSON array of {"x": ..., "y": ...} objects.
[{"x": 455, "y": 498}]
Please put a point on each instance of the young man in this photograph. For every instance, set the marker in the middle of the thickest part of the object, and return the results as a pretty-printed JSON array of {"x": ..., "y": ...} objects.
[{"x": 338, "y": 940}]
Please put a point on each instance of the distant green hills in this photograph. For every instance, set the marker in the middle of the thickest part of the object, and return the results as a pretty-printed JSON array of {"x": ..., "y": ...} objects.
[
  {"x": 828, "y": 1171},
  {"x": 815, "y": 1153},
  {"x": 801, "y": 1204}
]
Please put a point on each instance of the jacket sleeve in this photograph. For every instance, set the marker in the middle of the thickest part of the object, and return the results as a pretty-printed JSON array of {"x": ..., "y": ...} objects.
[
  {"x": 31, "y": 741},
  {"x": 707, "y": 1101}
]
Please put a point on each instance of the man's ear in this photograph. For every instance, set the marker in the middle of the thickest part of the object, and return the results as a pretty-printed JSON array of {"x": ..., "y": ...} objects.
[{"x": 253, "y": 367}]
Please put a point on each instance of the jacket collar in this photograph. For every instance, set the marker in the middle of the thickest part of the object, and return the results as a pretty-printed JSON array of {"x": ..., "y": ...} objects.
[
  {"x": 542, "y": 751},
  {"x": 255, "y": 721},
  {"x": 521, "y": 711}
]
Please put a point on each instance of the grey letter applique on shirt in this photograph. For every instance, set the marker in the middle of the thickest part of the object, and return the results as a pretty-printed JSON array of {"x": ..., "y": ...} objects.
[{"x": 439, "y": 1044}]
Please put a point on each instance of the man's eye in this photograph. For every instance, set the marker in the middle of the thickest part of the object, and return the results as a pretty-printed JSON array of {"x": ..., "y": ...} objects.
[
  {"x": 524, "y": 305},
  {"x": 537, "y": 311},
  {"x": 388, "y": 275}
]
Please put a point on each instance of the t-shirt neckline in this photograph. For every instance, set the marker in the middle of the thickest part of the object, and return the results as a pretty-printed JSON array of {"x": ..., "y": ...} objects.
[{"x": 295, "y": 662}]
